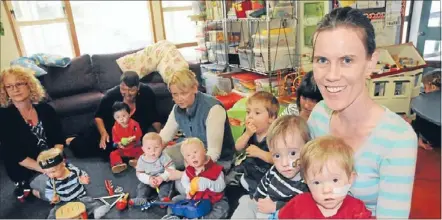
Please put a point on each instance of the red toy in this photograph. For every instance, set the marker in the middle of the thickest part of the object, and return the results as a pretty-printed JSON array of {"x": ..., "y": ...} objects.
[
  {"x": 122, "y": 203},
  {"x": 109, "y": 187}
]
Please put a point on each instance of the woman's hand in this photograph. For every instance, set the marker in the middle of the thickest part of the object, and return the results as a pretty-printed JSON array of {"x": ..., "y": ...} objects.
[
  {"x": 104, "y": 139},
  {"x": 174, "y": 174},
  {"x": 266, "y": 206}
]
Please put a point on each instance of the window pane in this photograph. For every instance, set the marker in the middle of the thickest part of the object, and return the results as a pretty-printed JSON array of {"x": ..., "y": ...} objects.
[
  {"x": 166, "y": 4},
  {"x": 432, "y": 50},
  {"x": 110, "y": 27},
  {"x": 407, "y": 8},
  {"x": 379, "y": 89},
  {"x": 37, "y": 10},
  {"x": 49, "y": 38},
  {"x": 179, "y": 28},
  {"x": 189, "y": 53},
  {"x": 434, "y": 20},
  {"x": 405, "y": 32}
]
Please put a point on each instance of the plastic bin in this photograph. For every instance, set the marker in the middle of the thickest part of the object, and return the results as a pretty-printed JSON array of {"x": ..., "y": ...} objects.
[
  {"x": 245, "y": 82},
  {"x": 277, "y": 38},
  {"x": 246, "y": 58},
  {"x": 263, "y": 85},
  {"x": 281, "y": 58},
  {"x": 214, "y": 83}
]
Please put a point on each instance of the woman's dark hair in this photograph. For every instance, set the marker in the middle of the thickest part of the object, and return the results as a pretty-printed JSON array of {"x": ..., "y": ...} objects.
[
  {"x": 432, "y": 78},
  {"x": 308, "y": 89},
  {"x": 348, "y": 17},
  {"x": 118, "y": 106},
  {"x": 130, "y": 78}
]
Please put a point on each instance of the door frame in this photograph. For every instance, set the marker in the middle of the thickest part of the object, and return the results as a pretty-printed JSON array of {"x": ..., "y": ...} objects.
[{"x": 419, "y": 24}]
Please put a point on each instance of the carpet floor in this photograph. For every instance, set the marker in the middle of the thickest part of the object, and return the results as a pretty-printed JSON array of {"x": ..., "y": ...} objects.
[{"x": 426, "y": 193}]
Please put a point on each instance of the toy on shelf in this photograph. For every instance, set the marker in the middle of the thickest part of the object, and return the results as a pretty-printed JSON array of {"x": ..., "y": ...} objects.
[
  {"x": 185, "y": 208},
  {"x": 397, "y": 78}
]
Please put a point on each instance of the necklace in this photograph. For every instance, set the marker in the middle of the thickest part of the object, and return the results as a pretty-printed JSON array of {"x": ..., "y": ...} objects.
[{"x": 28, "y": 119}]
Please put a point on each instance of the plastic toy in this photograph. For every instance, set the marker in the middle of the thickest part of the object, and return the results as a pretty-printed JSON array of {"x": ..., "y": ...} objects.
[
  {"x": 122, "y": 202},
  {"x": 185, "y": 208},
  {"x": 109, "y": 187}
]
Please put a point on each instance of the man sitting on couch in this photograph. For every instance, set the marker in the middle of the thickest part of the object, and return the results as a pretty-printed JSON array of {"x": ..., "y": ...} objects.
[{"x": 97, "y": 140}]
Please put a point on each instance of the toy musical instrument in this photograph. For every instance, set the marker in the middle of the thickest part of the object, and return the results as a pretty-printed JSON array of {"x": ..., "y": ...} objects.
[
  {"x": 185, "y": 208},
  {"x": 71, "y": 210},
  {"x": 122, "y": 203}
]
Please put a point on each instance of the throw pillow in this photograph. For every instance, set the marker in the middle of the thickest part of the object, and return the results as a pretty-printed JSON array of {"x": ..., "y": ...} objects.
[
  {"x": 141, "y": 62},
  {"x": 30, "y": 64},
  {"x": 162, "y": 56}
]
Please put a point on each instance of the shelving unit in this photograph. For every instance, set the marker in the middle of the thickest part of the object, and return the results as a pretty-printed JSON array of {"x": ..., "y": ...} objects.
[{"x": 248, "y": 26}]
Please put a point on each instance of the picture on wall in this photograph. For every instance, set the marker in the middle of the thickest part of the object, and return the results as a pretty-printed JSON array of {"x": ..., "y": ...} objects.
[
  {"x": 308, "y": 35},
  {"x": 315, "y": 9}
]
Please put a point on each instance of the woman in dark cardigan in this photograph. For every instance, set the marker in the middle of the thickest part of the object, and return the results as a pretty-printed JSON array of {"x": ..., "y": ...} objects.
[{"x": 27, "y": 128}]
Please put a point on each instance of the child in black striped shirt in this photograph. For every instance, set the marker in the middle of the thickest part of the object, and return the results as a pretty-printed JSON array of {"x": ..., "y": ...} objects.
[
  {"x": 285, "y": 138},
  {"x": 65, "y": 184}
]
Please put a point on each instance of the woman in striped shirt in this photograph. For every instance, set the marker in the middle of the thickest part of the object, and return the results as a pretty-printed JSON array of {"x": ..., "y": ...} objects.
[{"x": 385, "y": 145}]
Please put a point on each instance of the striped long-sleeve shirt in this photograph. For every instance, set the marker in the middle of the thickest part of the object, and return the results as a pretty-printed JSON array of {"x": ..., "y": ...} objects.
[
  {"x": 278, "y": 188},
  {"x": 385, "y": 163},
  {"x": 69, "y": 188}
]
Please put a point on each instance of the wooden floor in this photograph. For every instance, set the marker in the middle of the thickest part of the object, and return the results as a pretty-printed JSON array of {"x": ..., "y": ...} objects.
[{"x": 427, "y": 185}]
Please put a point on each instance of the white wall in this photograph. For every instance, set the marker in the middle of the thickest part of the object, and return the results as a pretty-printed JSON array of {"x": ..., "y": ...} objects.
[{"x": 8, "y": 47}]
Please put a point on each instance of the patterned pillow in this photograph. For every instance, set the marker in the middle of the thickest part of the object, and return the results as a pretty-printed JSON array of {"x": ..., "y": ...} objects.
[
  {"x": 163, "y": 57},
  {"x": 30, "y": 64},
  {"x": 51, "y": 60}
]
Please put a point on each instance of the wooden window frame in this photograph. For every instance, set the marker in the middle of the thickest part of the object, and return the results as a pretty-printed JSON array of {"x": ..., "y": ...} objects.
[
  {"x": 175, "y": 9},
  {"x": 67, "y": 19}
]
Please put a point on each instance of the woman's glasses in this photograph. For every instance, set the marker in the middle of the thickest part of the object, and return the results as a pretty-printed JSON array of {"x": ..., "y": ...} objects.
[{"x": 16, "y": 86}]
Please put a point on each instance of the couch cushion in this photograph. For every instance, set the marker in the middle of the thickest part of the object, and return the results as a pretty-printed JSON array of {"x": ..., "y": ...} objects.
[
  {"x": 77, "y": 104},
  {"x": 73, "y": 79},
  {"x": 153, "y": 77},
  {"x": 107, "y": 69}
]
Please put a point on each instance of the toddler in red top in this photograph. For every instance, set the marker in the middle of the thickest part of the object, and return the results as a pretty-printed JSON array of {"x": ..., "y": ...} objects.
[
  {"x": 203, "y": 178},
  {"x": 126, "y": 134},
  {"x": 328, "y": 167}
]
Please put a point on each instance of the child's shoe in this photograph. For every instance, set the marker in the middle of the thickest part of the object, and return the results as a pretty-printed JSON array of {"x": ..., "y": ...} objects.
[
  {"x": 133, "y": 163},
  {"x": 19, "y": 192},
  {"x": 26, "y": 189},
  {"x": 119, "y": 168}
]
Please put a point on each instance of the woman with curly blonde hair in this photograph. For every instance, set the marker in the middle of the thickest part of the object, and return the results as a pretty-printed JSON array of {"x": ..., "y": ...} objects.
[{"x": 29, "y": 126}]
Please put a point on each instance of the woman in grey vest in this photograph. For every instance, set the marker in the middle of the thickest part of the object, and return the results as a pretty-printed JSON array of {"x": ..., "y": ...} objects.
[{"x": 197, "y": 115}]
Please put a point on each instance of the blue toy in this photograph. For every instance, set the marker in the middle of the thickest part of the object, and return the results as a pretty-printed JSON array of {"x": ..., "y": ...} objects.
[{"x": 185, "y": 208}]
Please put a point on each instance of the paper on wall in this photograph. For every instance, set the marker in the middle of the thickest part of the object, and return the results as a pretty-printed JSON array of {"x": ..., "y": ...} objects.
[
  {"x": 376, "y": 4},
  {"x": 363, "y": 4}
]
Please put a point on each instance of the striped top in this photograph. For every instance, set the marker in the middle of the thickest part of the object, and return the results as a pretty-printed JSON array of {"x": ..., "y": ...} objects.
[
  {"x": 278, "y": 188},
  {"x": 68, "y": 189},
  {"x": 385, "y": 163}
]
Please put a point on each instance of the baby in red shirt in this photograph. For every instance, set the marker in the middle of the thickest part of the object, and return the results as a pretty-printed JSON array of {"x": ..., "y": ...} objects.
[
  {"x": 126, "y": 133},
  {"x": 328, "y": 168}
]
